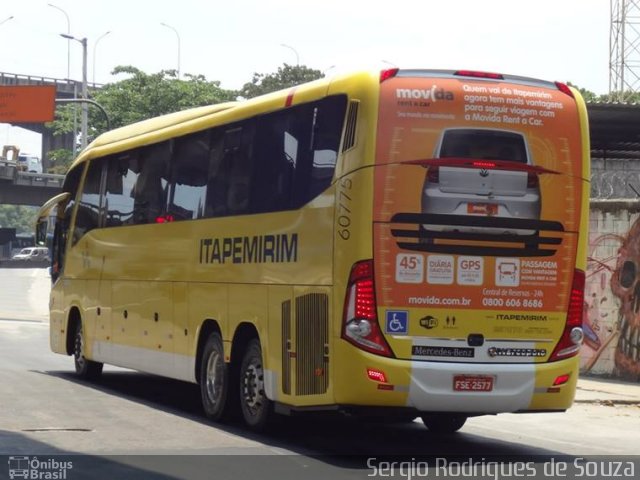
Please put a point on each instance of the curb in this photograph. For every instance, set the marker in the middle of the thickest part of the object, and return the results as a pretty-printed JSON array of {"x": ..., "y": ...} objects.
[{"x": 608, "y": 402}]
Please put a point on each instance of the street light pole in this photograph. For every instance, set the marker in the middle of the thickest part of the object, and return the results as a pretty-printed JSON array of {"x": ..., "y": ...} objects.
[
  {"x": 178, "y": 37},
  {"x": 6, "y": 19},
  {"x": 294, "y": 51},
  {"x": 85, "y": 90},
  {"x": 68, "y": 41},
  {"x": 95, "y": 45}
]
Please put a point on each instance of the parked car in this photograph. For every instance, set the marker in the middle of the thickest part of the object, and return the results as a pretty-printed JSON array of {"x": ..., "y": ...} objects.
[
  {"x": 480, "y": 172},
  {"x": 32, "y": 254}
]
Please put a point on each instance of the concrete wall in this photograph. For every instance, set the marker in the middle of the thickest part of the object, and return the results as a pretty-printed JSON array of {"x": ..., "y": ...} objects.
[{"x": 612, "y": 293}]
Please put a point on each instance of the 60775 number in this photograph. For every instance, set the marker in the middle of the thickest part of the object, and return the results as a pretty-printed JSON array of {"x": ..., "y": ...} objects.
[{"x": 344, "y": 209}]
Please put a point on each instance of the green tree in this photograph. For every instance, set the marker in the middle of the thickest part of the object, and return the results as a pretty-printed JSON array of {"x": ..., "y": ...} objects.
[
  {"x": 588, "y": 95},
  {"x": 286, "y": 76},
  {"x": 143, "y": 96},
  {"x": 61, "y": 160},
  {"x": 591, "y": 97},
  {"x": 136, "y": 98},
  {"x": 22, "y": 218}
]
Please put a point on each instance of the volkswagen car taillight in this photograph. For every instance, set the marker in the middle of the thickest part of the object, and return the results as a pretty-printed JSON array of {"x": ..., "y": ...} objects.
[
  {"x": 433, "y": 174},
  {"x": 360, "y": 320},
  {"x": 532, "y": 180}
]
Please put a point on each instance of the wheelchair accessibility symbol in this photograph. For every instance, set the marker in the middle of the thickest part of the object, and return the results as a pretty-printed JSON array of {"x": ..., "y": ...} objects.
[{"x": 397, "y": 322}]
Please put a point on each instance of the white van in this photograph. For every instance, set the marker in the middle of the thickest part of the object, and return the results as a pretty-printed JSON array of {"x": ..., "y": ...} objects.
[
  {"x": 32, "y": 254},
  {"x": 29, "y": 163}
]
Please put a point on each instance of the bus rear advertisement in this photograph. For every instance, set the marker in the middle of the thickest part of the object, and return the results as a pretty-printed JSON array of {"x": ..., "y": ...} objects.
[{"x": 405, "y": 243}]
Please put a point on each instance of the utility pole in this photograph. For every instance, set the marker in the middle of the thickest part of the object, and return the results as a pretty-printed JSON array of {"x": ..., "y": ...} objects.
[{"x": 84, "y": 122}]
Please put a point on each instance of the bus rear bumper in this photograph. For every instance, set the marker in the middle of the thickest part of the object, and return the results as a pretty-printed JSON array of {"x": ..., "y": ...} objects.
[
  {"x": 429, "y": 386},
  {"x": 432, "y": 387},
  {"x": 515, "y": 387}
]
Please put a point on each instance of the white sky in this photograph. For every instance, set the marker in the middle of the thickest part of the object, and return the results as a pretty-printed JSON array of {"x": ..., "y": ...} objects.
[{"x": 229, "y": 40}]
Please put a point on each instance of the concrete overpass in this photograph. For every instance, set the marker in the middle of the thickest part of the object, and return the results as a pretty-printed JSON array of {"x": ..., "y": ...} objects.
[
  {"x": 65, "y": 89},
  {"x": 24, "y": 188}
]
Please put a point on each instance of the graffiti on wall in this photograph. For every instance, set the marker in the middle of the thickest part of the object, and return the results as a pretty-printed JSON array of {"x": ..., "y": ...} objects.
[
  {"x": 625, "y": 285},
  {"x": 612, "y": 304}
]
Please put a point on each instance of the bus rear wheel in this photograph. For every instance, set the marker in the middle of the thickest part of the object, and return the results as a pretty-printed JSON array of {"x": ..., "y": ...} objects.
[
  {"x": 257, "y": 409},
  {"x": 444, "y": 423},
  {"x": 85, "y": 368},
  {"x": 214, "y": 379}
]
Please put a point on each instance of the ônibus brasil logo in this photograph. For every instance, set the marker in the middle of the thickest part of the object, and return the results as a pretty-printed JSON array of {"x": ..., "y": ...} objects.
[{"x": 35, "y": 469}]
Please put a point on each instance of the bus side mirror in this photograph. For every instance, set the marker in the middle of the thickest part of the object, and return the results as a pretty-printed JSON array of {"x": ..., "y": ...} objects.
[{"x": 41, "y": 231}]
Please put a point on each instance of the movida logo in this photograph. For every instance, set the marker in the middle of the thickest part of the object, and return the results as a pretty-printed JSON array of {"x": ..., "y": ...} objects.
[{"x": 432, "y": 94}]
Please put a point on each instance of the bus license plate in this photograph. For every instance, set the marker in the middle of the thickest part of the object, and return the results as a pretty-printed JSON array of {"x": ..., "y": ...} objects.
[
  {"x": 472, "y": 383},
  {"x": 489, "y": 209}
]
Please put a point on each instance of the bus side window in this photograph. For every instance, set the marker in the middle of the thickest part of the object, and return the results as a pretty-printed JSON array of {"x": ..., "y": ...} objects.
[
  {"x": 151, "y": 185},
  {"x": 64, "y": 212},
  {"x": 189, "y": 176},
  {"x": 238, "y": 155},
  {"x": 88, "y": 212},
  {"x": 218, "y": 177},
  {"x": 122, "y": 173},
  {"x": 275, "y": 157},
  {"x": 328, "y": 119}
]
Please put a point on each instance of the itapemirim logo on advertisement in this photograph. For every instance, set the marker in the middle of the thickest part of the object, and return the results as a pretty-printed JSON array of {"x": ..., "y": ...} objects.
[{"x": 33, "y": 468}]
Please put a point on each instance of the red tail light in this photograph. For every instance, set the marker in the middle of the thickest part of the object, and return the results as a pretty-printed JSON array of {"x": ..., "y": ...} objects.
[
  {"x": 483, "y": 164},
  {"x": 376, "y": 375},
  {"x": 564, "y": 89},
  {"x": 532, "y": 180},
  {"x": 387, "y": 74},
  {"x": 571, "y": 339},
  {"x": 165, "y": 219},
  {"x": 360, "y": 322},
  {"x": 433, "y": 174},
  {"x": 561, "y": 379},
  {"x": 476, "y": 74}
]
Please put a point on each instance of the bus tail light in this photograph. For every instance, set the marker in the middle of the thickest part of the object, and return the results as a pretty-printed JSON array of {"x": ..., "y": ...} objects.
[
  {"x": 571, "y": 339},
  {"x": 561, "y": 379},
  {"x": 564, "y": 88},
  {"x": 360, "y": 321},
  {"x": 376, "y": 375},
  {"x": 387, "y": 74},
  {"x": 477, "y": 74}
]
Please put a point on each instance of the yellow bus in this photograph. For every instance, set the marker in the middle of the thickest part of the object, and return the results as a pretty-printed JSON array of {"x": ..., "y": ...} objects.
[{"x": 406, "y": 243}]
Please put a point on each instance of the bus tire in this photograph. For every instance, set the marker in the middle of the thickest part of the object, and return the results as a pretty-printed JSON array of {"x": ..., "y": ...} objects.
[
  {"x": 85, "y": 368},
  {"x": 214, "y": 379},
  {"x": 444, "y": 423},
  {"x": 257, "y": 409}
]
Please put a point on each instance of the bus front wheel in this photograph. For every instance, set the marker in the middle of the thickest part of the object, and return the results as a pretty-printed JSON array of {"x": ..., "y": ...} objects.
[
  {"x": 85, "y": 368},
  {"x": 257, "y": 409},
  {"x": 214, "y": 378},
  {"x": 444, "y": 423}
]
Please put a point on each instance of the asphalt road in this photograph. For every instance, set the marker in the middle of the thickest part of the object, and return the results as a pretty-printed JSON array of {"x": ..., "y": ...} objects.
[{"x": 133, "y": 425}]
